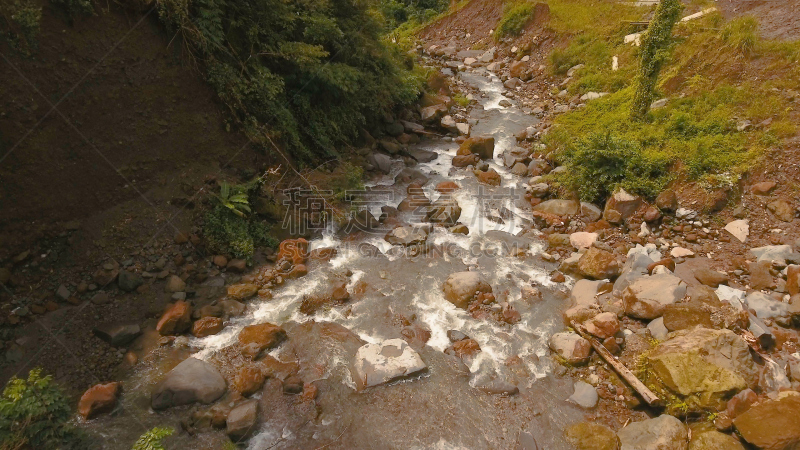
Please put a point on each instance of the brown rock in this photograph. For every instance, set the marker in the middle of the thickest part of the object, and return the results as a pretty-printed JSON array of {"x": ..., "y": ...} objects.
[
  {"x": 98, "y": 399},
  {"x": 294, "y": 250},
  {"x": 242, "y": 291},
  {"x": 447, "y": 187},
  {"x": 598, "y": 264},
  {"x": 175, "y": 284},
  {"x": 669, "y": 263},
  {"x": 254, "y": 339},
  {"x": 793, "y": 279},
  {"x": 237, "y": 265},
  {"x": 490, "y": 177},
  {"x": 740, "y": 403},
  {"x": 603, "y": 325},
  {"x": 652, "y": 214},
  {"x": 667, "y": 200},
  {"x": 681, "y": 316},
  {"x": 220, "y": 261},
  {"x": 763, "y": 188},
  {"x": 249, "y": 380},
  {"x": 710, "y": 277},
  {"x": 623, "y": 203},
  {"x": 772, "y": 424},
  {"x": 760, "y": 276},
  {"x": 466, "y": 347},
  {"x": 207, "y": 326},
  {"x": 782, "y": 210},
  {"x": 298, "y": 271},
  {"x": 465, "y": 160},
  {"x": 483, "y": 146},
  {"x": 176, "y": 320}
]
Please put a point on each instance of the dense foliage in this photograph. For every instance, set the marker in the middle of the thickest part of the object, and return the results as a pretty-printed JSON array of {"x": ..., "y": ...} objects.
[
  {"x": 305, "y": 74},
  {"x": 19, "y": 24},
  {"x": 231, "y": 228},
  {"x": 34, "y": 413},
  {"x": 398, "y": 12}
]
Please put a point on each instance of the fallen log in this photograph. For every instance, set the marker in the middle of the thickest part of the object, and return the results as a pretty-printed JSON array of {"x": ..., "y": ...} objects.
[{"x": 643, "y": 391}]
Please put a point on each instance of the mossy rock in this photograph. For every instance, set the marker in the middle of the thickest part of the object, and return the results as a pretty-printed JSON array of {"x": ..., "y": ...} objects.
[{"x": 591, "y": 436}]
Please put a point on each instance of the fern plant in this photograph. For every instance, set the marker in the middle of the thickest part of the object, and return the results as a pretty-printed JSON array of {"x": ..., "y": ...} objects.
[
  {"x": 235, "y": 199},
  {"x": 34, "y": 413},
  {"x": 151, "y": 439}
]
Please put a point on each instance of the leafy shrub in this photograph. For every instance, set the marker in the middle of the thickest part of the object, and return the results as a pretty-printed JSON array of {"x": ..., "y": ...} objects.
[
  {"x": 599, "y": 163},
  {"x": 151, "y": 439},
  {"x": 34, "y": 413},
  {"x": 348, "y": 178},
  {"x": 461, "y": 99},
  {"x": 515, "y": 18},
  {"x": 305, "y": 75},
  {"x": 19, "y": 23},
  {"x": 229, "y": 226}
]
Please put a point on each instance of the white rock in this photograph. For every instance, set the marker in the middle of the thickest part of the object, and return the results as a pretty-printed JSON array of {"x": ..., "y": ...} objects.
[
  {"x": 584, "y": 396},
  {"x": 380, "y": 363},
  {"x": 680, "y": 252},
  {"x": 733, "y": 296},
  {"x": 685, "y": 213},
  {"x": 740, "y": 229},
  {"x": 582, "y": 239},
  {"x": 470, "y": 61},
  {"x": 644, "y": 231},
  {"x": 463, "y": 128},
  {"x": 772, "y": 253},
  {"x": 659, "y": 103}
]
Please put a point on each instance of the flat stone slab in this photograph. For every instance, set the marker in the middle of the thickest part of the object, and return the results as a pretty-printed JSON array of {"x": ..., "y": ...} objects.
[{"x": 380, "y": 363}]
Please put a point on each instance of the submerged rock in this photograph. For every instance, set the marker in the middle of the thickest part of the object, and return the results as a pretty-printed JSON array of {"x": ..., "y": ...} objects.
[
  {"x": 254, "y": 339},
  {"x": 189, "y": 382},
  {"x": 241, "y": 421},
  {"x": 380, "y": 363}
]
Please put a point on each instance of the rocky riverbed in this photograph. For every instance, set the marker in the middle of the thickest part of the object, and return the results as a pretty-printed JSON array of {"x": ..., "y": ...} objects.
[{"x": 463, "y": 304}]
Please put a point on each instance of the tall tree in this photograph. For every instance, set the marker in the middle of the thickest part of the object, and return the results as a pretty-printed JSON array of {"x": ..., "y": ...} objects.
[{"x": 653, "y": 53}]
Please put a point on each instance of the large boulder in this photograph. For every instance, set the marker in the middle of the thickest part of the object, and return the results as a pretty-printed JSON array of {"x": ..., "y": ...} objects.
[
  {"x": 376, "y": 364},
  {"x": 176, "y": 320},
  {"x": 189, "y": 382},
  {"x": 599, "y": 264},
  {"x": 406, "y": 236},
  {"x": 647, "y": 296},
  {"x": 704, "y": 365},
  {"x": 117, "y": 334},
  {"x": 591, "y": 436},
  {"x": 662, "y": 433},
  {"x": 621, "y": 206},
  {"x": 445, "y": 211},
  {"x": 772, "y": 424},
  {"x": 98, "y": 399},
  {"x": 714, "y": 440},
  {"x": 253, "y": 339},
  {"x": 241, "y": 421},
  {"x": 461, "y": 288},
  {"x": 559, "y": 207},
  {"x": 483, "y": 146},
  {"x": 571, "y": 347}
]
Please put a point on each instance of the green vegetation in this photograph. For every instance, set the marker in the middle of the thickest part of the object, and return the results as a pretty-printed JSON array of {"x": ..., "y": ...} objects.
[
  {"x": 461, "y": 99},
  {"x": 305, "y": 75},
  {"x": 34, "y": 413},
  {"x": 653, "y": 54},
  {"x": 515, "y": 17},
  {"x": 19, "y": 24},
  {"x": 151, "y": 439},
  {"x": 230, "y": 228},
  {"x": 398, "y": 12},
  {"x": 696, "y": 136},
  {"x": 75, "y": 8}
]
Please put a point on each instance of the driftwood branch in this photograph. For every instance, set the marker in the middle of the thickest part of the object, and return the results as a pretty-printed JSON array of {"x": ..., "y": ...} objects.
[{"x": 646, "y": 394}]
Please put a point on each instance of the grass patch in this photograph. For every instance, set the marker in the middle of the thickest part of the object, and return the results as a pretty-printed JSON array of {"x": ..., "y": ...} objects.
[
  {"x": 694, "y": 137},
  {"x": 515, "y": 17},
  {"x": 461, "y": 99}
]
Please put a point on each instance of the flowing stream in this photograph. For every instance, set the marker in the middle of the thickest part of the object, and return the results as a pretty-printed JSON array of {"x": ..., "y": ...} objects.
[{"x": 449, "y": 406}]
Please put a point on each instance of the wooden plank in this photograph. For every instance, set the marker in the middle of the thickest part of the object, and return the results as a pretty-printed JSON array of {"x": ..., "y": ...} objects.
[{"x": 646, "y": 394}]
